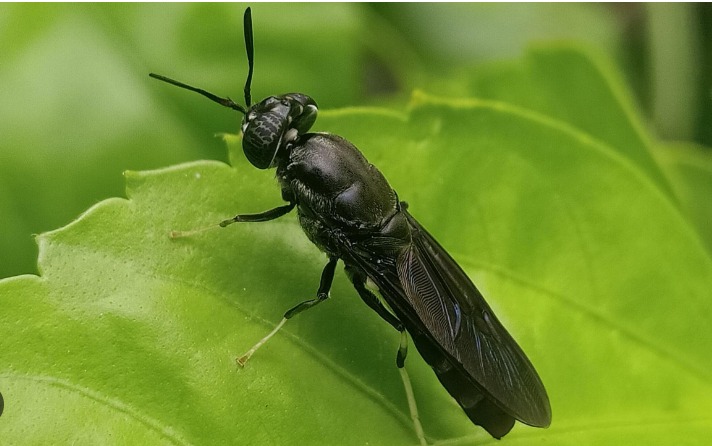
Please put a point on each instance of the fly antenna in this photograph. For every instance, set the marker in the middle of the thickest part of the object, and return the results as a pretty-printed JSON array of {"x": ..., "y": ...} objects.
[
  {"x": 250, "y": 47},
  {"x": 225, "y": 102}
]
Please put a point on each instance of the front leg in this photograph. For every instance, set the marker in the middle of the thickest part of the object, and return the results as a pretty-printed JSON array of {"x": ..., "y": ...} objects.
[
  {"x": 262, "y": 216},
  {"x": 268, "y": 215}
]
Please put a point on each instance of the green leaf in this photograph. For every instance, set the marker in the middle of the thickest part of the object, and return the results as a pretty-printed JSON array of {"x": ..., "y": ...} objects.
[
  {"x": 599, "y": 275},
  {"x": 689, "y": 168},
  {"x": 578, "y": 86},
  {"x": 128, "y": 323},
  {"x": 601, "y": 280}
]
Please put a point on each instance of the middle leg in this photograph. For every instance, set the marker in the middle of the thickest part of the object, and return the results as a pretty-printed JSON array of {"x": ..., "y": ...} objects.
[{"x": 327, "y": 277}]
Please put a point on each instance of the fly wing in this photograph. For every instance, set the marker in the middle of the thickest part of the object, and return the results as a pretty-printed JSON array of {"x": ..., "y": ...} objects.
[
  {"x": 461, "y": 323},
  {"x": 456, "y": 332}
]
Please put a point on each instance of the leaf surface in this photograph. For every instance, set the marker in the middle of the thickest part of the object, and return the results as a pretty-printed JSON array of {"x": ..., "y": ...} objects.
[{"x": 128, "y": 336}]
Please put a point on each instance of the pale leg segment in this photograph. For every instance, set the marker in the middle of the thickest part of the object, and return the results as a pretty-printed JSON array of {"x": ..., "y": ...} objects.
[
  {"x": 242, "y": 360},
  {"x": 412, "y": 407},
  {"x": 327, "y": 277}
]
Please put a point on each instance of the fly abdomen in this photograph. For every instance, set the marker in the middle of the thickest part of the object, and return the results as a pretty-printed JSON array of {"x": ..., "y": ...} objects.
[{"x": 480, "y": 409}]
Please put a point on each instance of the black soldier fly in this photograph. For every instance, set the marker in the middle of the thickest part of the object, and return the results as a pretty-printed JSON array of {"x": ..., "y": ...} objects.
[{"x": 347, "y": 209}]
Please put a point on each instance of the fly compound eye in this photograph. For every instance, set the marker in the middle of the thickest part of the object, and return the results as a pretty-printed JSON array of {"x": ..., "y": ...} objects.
[
  {"x": 260, "y": 142},
  {"x": 263, "y": 132}
]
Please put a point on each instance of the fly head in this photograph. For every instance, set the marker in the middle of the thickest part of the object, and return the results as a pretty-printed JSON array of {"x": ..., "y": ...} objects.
[{"x": 270, "y": 125}]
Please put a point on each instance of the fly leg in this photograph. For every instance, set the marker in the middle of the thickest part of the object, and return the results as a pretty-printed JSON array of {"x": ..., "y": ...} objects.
[
  {"x": 327, "y": 277},
  {"x": 412, "y": 407},
  {"x": 268, "y": 215},
  {"x": 359, "y": 282}
]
